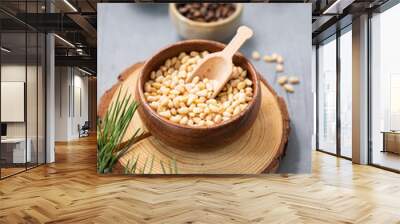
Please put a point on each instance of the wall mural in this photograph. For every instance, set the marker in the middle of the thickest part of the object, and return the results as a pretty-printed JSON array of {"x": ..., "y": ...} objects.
[{"x": 204, "y": 88}]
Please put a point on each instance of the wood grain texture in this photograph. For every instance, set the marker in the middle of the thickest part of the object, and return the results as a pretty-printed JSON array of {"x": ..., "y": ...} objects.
[
  {"x": 258, "y": 150},
  {"x": 70, "y": 191}
]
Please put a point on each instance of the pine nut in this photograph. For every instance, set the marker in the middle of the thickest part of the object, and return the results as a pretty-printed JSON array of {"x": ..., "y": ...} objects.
[
  {"x": 166, "y": 114},
  {"x": 236, "y": 111},
  {"x": 209, "y": 123},
  {"x": 256, "y": 55},
  {"x": 173, "y": 111},
  {"x": 183, "y": 110},
  {"x": 279, "y": 59},
  {"x": 248, "y": 82},
  {"x": 184, "y": 120},
  {"x": 217, "y": 118},
  {"x": 172, "y": 96},
  {"x": 289, "y": 88},
  {"x": 269, "y": 59},
  {"x": 282, "y": 80},
  {"x": 176, "y": 118},
  {"x": 241, "y": 85},
  {"x": 294, "y": 80},
  {"x": 279, "y": 68}
]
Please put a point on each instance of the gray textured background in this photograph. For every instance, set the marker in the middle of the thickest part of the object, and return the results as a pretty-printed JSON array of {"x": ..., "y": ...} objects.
[{"x": 128, "y": 33}]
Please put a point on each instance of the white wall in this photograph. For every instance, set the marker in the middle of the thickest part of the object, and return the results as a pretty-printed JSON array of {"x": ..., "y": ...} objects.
[
  {"x": 33, "y": 126},
  {"x": 61, "y": 103},
  {"x": 79, "y": 117},
  {"x": 16, "y": 73},
  {"x": 70, "y": 83}
]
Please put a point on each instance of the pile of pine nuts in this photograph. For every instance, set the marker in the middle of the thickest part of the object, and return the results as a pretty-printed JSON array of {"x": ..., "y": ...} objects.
[{"x": 185, "y": 102}]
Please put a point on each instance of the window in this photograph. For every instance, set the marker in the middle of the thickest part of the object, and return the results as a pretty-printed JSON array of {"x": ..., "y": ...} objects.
[
  {"x": 346, "y": 95},
  {"x": 327, "y": 96},
  {"x": 22, "y": 77},
  {"x": 385, "y": 89},
  {"x": 335, "y": 74}
]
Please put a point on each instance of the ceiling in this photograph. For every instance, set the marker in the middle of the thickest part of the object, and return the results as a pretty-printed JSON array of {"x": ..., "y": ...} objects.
[
  {"x": 75, "y": 28},
  {"x": 76, "y": 22}
]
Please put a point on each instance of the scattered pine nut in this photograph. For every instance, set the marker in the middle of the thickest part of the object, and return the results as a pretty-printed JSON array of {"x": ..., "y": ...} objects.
[
  {"x": 293, "y": 80},
  {"x": 256, "y": 55},
  {"x": 289, "y": 88},
  {"x": 279, "y": 68},
  {"x": 279, "y": 59},
  {"x": 282, "y": 80},
  {"x": 269, "y": 59},
  {"x": 274, "y": 56}
]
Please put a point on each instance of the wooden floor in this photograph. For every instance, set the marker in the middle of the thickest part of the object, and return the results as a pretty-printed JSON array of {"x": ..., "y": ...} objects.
[
  {"x": 70, "y": 191},
  {"x": 5, "y": 172},
  {"x": 387, "y": 159}
]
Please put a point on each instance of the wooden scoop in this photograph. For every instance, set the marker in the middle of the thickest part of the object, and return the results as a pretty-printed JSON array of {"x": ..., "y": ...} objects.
[{"x": 217, "y": 67}]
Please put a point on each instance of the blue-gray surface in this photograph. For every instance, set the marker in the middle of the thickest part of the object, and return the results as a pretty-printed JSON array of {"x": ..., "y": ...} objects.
[{"x": 128, "y": 33}]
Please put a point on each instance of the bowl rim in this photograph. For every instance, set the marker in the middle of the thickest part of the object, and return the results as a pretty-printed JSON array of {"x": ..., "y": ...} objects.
[
  {"x": 238, "y": 11},
  {"x": 256, "y": 88}
]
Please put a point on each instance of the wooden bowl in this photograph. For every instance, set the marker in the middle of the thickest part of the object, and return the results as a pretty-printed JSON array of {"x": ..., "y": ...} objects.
[
  {"x": 220, "y": 30},
  {"x": 187, "y": 137}
]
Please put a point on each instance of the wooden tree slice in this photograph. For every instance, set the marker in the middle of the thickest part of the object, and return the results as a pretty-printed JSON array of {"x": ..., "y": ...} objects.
[{"x": 258, "y": 150}]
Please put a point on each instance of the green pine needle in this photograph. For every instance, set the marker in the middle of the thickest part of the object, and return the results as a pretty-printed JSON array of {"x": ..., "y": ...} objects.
[
  {"x": 111, "y": 131},
  {"x": 162, "y": 167},
  {"x": 132, "y": 166}
]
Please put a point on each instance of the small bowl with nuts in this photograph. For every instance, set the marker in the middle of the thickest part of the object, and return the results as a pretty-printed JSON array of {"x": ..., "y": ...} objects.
[
  {"x": 211, "y": 21},
  {"x": 182, "y": 113}
]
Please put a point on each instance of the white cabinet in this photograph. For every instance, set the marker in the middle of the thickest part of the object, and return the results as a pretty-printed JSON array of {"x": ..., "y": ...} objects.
[{"x": 19, "y": 155}]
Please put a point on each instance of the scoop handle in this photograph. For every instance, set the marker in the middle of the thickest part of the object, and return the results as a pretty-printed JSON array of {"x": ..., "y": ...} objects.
[{"x": 243, "y": 33}]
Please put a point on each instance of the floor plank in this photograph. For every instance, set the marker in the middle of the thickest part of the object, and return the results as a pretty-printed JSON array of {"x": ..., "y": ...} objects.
[{"x": 70, "y": 191}]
